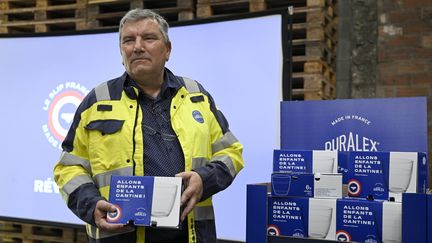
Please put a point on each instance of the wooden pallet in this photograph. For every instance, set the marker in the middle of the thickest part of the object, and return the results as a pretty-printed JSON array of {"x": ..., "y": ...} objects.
[
  {"x": 40, "y": 15},
  {"x": 107, "y": 13},
  {"x": 316, "y": 81},
  {"x": 314, "y": 87},
  {"x": 28, "y": 16},
  {"x": 217, "y": 8},
  {"x": 32, "y": 233}
]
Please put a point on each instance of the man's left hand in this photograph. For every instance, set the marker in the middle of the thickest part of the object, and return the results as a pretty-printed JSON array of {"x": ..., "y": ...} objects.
[{"x": 193, "y": 192}]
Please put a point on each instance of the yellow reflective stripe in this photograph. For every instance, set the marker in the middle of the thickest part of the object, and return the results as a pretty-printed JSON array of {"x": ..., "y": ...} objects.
[
  {"x": 70, "y": 159},
  {"x": 96, "y": 233},
  {"x": 74, "y": 183},
  {"x": 228, "y": 162},
  {"x": 207, "y": 202},
  {"x": 89, "y": 231},
  {"x": 225, "y": 142},
  {"x": 191, "y": 227},
  {"x": 102, "y": 92},
  {"x": 204, "y": 213},
  {"x": 191, "y": 85},
  {"x": 140, "y": 234},
  {"x": 199, "y": 162},
  {"x": 104, "y": 179}
]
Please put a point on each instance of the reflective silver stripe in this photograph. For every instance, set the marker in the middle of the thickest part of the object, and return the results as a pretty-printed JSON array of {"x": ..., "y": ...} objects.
[
  {"x": 73, "y": 184},
  {"x": 199, "y": 162},
  {"x": 70, "y": 159},
  {"x": 96, "y": 233},
  {"x": 102, "y": 92},
  {"x": 104, "y": 179},
  {"x": 191, "y": 85},
  {"x": 227, "y": 140},
  {"x": 228, "y": 162},
  {"x": 91, "y": 231},
  {"x": 204, "y": 213}
]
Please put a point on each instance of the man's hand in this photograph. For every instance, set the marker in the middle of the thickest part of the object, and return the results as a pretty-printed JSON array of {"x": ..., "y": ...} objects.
[
  {"x": 193, "y": 192},
  {"x": 100, "y": 217}
]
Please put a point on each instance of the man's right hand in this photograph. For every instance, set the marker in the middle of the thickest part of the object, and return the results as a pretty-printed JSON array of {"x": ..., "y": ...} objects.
[{"x": 100, "y": 217}]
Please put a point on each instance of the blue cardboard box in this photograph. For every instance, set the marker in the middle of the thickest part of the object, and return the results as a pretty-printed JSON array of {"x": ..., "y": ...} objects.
[
  {"x": 416, "y": 219},
  {"x": 385, "y": 175},
  {"x": 145, "y": 200},
  {"x": 429, "y": 218},
  {"x": 302, "y": 217},
  {"x": 368, "y": 221}
]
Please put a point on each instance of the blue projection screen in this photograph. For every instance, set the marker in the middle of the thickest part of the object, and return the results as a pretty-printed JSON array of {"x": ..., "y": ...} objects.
[{"x": 44, "y": 79}]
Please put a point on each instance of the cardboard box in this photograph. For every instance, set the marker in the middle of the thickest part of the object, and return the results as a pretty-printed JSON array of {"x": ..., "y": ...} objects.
[
  {"x": 368, "y": 221},
  {"x": 146, "y": 200},
  {"x": 386, "y": 175},
  {"x": 305, "y": 161},
  {"x": 307, "y": 185},
  {"x": 416, "y": 218},
  {"x": 429, "y": 218},
  {"x": 302, "y": 217}
]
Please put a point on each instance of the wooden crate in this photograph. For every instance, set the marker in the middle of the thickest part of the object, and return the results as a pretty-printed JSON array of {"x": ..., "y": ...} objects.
[{"x": 36, "y": 233}]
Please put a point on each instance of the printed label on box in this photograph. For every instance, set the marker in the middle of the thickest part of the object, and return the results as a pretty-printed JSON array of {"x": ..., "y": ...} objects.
[
  {"x": 358, "y": 221},
  {"x": 385, "y": 175},
  {"x": 288, "y": 216},
  {"x": 302, "y": 217},
  {"x": 306, "y": 161},
  {"x": 307, "y": 185},
  {"x": 145, "y": 200}
]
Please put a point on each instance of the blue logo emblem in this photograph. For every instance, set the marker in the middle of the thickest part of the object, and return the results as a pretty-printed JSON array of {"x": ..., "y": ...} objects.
[
  {"x": 197, "y": 116},
  {"x": 342, "y": 235},
  {"x": 354, "y": 188}
]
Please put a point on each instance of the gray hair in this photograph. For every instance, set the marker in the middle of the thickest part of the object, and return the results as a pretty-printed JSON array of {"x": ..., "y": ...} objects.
[{"x": 138, "y": 14}]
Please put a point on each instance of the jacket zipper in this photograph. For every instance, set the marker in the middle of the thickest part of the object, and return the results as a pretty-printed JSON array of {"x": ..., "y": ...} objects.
[{"x": 133, "y": 135}]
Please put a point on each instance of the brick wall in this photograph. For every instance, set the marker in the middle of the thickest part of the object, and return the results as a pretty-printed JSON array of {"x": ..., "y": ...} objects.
[{"x": 405, "y": 52}]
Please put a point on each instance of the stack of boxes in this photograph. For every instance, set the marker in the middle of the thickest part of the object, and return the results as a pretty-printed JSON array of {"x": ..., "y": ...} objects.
[
  {"x": 307, "y": 200},
  {"x": 383, "y": 193},
  {"x": 304, "y": 187}
]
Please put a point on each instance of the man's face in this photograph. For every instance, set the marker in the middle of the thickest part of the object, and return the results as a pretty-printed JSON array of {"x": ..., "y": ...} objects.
[{"x": 143, "y": 48}]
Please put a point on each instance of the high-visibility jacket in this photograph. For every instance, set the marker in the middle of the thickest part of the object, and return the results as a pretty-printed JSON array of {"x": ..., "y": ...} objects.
[{"x": 106, "y": 138}]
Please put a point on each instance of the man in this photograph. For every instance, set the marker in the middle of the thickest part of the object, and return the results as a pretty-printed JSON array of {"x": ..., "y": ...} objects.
[{"x": 147, "y": 122}]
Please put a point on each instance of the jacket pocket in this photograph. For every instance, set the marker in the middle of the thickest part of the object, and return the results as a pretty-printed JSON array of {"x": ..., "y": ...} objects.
[
  {"x": 105, "y": 126},
  {"x": 109, "y": 144}
]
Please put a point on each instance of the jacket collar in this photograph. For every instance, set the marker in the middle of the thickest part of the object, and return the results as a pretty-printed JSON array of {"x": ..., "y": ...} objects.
[{"x": 171, "y": 83}]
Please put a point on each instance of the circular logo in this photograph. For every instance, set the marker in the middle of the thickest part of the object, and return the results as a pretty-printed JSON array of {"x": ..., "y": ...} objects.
[
  {"x": 273, "y": 230},
  {"x": 379, "y": 189},
  {"x": 342, "y": 235},
  {"x": 116, "y": 215},
  {"x": 60, "y": 106},
  {"x": 354, "y": 188},
  {"x": 197, "y": 116}
]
